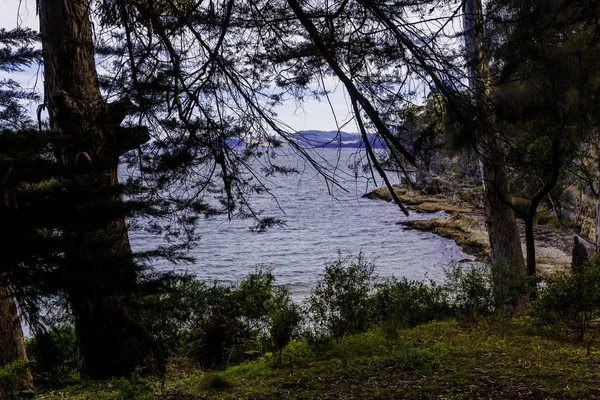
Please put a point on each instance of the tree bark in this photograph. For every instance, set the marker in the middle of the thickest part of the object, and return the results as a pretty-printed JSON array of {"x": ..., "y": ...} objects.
[
  {"x": 100, "y": 271},
  {"x": 500, "y": 218},
  {"x": 598, "y": 226}
]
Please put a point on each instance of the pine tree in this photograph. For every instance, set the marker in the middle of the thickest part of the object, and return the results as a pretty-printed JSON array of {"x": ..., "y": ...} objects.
[{"x": 16, "y": 53}]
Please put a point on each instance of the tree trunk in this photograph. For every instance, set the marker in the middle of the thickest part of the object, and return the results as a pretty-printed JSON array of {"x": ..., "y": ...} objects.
[
  {"x": 598, "y": 226},
  {"x": 101, "y": 276},
  {"x": 530, "y": 245},
  {"x": 12, "y": 346},
  {"x": 500, "y": 218}
]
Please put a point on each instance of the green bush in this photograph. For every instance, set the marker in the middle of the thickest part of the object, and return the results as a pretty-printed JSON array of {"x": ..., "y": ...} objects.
[
  {"x": 54, "y": 357},
  {"x": 471, "y": 290},
  {"x": 571, "y": 301},
  {"x": 172, "y": 312},
  {"x": 338, "y": 305},
  {"x": 12, "y": 377},
  {"x": 227, "y": 325},
  {"x": 215, "y": 325},
  {"x": 406, "y": 303}
]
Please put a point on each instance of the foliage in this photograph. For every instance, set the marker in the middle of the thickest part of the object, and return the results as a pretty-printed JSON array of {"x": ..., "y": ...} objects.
[
  {"x": 16, "y": 53},
  {"x": 571, "y": 301},
  {"x": 175, "y": 310},
  {"x": 471, "y": 290},
  {"x": 405, "y": 303},
  {"x": 12, "y": 377},
  {"x": 479, "y": 290},
  {"x": 54, "y": 357},
  {"x": 217, "y": 334},
  {"x": 284, "y": 319},
  {"x": 338, "y": 304},
  {"x": 509, "y": 294},
  {"x": 215, "y": 325},
  {"x": 133, "y": 388},
  {"x": 546, "y": 69}
]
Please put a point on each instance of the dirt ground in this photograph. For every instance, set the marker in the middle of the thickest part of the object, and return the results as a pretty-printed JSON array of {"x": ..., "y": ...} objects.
[{"x": 466, "y": 226}]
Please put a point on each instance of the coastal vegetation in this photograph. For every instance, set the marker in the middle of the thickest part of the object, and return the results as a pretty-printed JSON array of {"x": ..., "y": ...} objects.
[
  {"x": 495, "y": 123},
  {"x": 356, "y": 336}
]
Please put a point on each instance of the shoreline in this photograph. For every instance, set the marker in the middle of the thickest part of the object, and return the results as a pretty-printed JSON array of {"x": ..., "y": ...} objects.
[{"x": 466, "y": 226}]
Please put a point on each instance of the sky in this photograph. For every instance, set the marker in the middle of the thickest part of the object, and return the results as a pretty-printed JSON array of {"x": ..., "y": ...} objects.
[{"x": 312, "y": 115}]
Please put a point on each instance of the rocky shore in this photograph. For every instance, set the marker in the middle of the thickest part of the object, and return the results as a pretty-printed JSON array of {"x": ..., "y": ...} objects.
[{"x": 466, "y": 226}]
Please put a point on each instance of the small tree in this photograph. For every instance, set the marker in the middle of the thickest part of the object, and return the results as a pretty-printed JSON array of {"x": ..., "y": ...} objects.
[{"x": 284, "y": 318}]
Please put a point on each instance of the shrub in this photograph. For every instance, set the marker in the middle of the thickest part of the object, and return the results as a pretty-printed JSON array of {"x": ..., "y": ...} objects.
[
  {"x": 173, "y": 312},
  {"x": 252, "y": 294},
  {"x": 221, "y": 322},
  {"x": 571, "y": 301},
  {"x": 54, "y": 356},
  {"x": 470, "y": 289},
  {"x": 406, "y": 303},
  {"x": 338, "y": 304},
  {"x": 284, "y": 319},
  {"x": 216, "y": 325},
  {"x": 12, "y": 377}
]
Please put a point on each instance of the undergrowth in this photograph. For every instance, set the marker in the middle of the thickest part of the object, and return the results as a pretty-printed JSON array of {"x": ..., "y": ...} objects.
[{"x": 356, "y": 336}]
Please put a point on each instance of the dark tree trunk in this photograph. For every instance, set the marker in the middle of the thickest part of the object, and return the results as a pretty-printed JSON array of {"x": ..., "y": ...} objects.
[
  {"x": 100, "y": 273},
  {"x": 500, "y": 219},
  {"x": 530, "y": 244},
  {"x": 598, "y": 226}
]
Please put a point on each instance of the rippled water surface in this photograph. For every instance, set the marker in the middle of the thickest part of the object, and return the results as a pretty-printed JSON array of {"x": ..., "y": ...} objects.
[{"x": 320, "y": 220}]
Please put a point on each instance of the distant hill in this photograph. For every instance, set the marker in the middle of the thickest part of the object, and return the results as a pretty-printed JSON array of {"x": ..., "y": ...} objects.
[
  {"x": 335, "y": 139},
  {"x": 322, "y": 139}
]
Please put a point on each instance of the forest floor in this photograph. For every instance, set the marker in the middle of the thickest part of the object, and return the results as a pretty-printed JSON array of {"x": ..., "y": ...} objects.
[
  {"x": 465, "y": 225},
  {"x": 487, "y": 359}
]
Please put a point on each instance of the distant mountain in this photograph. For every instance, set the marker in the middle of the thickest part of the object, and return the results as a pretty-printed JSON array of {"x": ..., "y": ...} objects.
[
  {"x": 335, "y": 139},
  {"x": 323, "y": 139}
]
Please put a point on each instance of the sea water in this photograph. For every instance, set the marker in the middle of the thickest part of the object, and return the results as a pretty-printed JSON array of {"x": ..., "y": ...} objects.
[{"x": 321, "y": 221}]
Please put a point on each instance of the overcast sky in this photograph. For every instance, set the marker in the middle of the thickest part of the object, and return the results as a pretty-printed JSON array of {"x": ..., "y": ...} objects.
[{"x": 313, "y": 114}]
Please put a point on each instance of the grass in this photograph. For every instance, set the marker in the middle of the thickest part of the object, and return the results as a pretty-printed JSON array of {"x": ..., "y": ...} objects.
[{"x": 445, "y": 360}]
